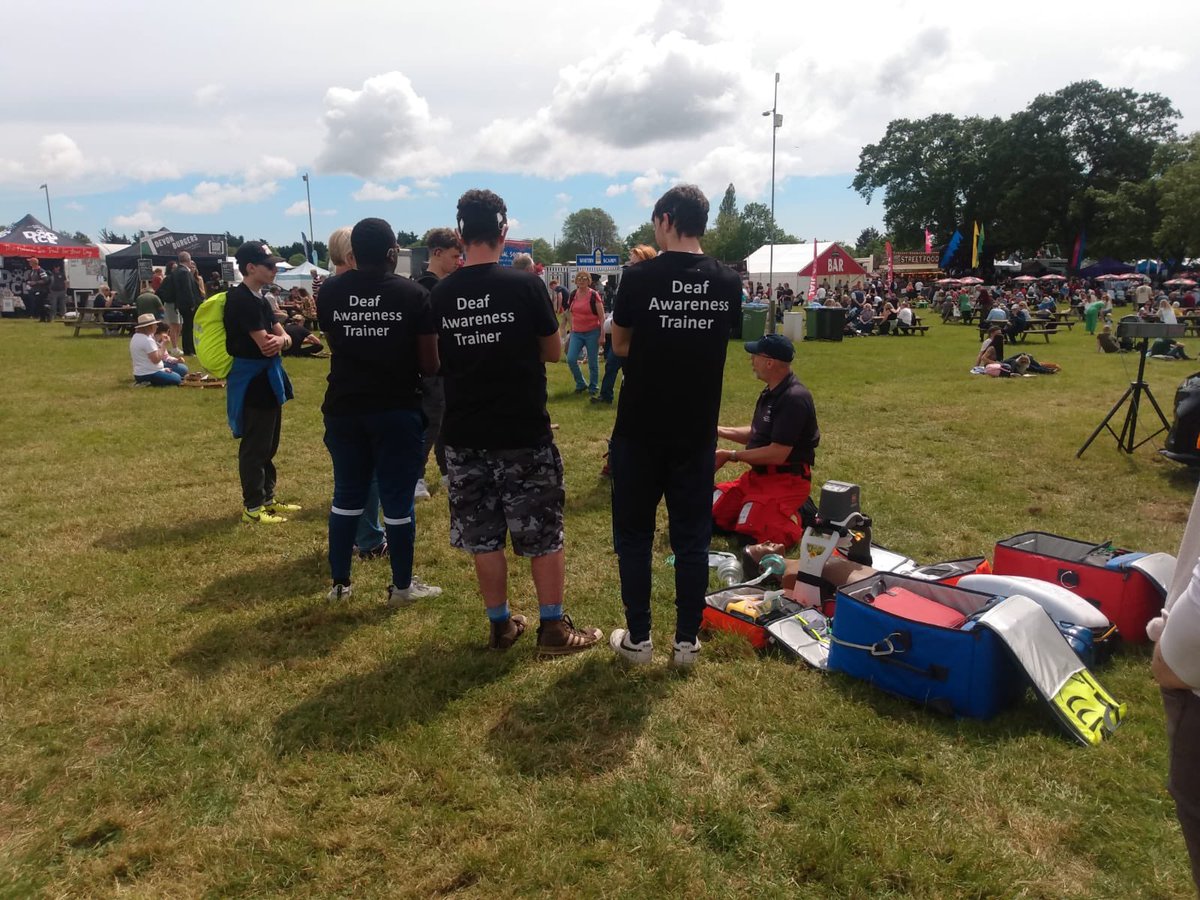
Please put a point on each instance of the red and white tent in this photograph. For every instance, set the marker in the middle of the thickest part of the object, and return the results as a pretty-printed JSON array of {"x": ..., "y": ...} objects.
[{"x": 834, "y": 263}]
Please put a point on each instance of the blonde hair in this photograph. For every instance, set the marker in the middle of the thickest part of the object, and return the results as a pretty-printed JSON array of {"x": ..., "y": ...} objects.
[
  {"x": 642, "y": 252},
  {"x": 340, "y": 253},
  {"x": 523, "y": 262}
]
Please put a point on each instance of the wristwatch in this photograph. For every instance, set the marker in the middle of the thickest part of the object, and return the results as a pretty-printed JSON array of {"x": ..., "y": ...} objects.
[{"x": 733, "y": 455}]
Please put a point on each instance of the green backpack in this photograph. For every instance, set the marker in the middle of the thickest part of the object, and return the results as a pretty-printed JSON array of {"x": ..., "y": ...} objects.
[{"x": 208, "y": 331}]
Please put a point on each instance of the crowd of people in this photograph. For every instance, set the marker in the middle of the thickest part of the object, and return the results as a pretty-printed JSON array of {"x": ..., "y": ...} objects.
[{"x": 454, "y": 362}]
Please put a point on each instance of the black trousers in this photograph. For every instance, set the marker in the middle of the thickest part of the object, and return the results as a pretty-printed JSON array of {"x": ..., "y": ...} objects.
[
  {"x": 188, "y": 313},
  {"x": 260, "y": 440},
  {"x": 644, "y": 473}
]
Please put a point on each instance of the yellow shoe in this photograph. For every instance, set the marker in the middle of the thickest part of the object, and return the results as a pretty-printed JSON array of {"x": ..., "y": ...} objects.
[
  {"x": 274, "y": 507},
  {"x": 260, "y": 516}
]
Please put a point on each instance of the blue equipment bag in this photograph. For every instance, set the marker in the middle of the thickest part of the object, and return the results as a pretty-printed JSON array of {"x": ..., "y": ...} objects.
[{"x": 959, "y": 671}]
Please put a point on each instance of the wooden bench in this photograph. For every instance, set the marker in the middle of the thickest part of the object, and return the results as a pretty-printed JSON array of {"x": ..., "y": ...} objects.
[
  {"x": 94, "y": 318},
  {"x": 919, "y": 329},
  {"x": 1044, "y": 332}
]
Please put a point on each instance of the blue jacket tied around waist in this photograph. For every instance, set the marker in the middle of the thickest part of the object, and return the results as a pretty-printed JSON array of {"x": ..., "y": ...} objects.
[{"x": 240, "y": 376}]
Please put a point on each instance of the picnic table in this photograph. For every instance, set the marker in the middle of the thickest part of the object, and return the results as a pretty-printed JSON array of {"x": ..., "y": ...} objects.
[
  {"x": 916, "y": 326},
  {"x": 93, "y": 317}
]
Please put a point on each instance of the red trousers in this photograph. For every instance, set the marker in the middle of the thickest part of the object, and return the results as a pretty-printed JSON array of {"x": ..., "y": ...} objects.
[{"x": 765, "y": 507}]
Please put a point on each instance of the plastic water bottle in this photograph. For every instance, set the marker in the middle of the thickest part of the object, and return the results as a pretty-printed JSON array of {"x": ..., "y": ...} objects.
[{"x": 729, "y": 572}]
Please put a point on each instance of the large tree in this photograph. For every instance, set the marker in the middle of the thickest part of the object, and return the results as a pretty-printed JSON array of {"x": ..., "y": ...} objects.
[
  {"x": 1039, "y": 177},
  {"x": 643, "y": 234},
  {"x": 587, "y": 230},
  {"x": 542, "y": 252},
  {"x": 1179, "y": 199}
]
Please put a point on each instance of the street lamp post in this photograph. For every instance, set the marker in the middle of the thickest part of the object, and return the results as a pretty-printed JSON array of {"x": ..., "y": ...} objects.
[
  {"x": 776, "y": 121},
  {"x": 312, "y": 237},
  {"x": 49, "y": 215}
]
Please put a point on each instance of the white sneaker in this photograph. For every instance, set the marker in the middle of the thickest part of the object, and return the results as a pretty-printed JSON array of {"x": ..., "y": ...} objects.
[
  {"x": 421, "y": 492},
  {"x": 417, "y": 590},
  {"x": 624, "y": 647},
  {"x": 686, "y": 653},
  {"x": 339, "y": 592}
]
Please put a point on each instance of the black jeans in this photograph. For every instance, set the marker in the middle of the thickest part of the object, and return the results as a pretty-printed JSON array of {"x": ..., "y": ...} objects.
[
  {"x": 188, "y": 313},
  {"x": 643, "y": 473},
  {"x": 1183, "y": 780},
  {"x": 260, "y": 440}
]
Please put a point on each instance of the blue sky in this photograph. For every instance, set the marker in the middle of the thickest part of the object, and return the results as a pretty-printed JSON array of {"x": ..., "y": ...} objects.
[
  {"x": 818, "y": 207},
  {"x": 395, "y": 109}
]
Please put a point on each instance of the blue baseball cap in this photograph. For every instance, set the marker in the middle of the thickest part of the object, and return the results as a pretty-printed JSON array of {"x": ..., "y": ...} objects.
[{"x": 775, "y": 346}]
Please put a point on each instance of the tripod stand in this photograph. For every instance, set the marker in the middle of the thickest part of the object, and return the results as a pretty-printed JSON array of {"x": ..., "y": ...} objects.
[{"x": 1132, "y": 395}]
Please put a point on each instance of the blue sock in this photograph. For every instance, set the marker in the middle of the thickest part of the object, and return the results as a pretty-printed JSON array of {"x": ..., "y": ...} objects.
[
  {"x": 550, "y": 612},
  {"x": 498, "y": 613}
]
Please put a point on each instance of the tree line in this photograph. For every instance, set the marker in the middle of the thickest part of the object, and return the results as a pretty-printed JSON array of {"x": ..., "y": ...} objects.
[{"x": 1107, "y": 163}]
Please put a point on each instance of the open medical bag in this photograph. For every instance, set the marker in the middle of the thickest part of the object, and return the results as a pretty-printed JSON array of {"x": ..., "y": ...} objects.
[
  {"x": 905, "y": 636},
  {"x": 1129, "y": 588}
]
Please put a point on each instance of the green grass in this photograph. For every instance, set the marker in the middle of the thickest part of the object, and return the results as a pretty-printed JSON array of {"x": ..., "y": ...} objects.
[{"x": 184, "y": 715}]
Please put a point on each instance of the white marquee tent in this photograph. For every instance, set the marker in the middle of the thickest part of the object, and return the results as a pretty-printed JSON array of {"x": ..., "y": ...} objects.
[
  {"x": 299, "y": 276},
  {"x": 789, "y": 259}
]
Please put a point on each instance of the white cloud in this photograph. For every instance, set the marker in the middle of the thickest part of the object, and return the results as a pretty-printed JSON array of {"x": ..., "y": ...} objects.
[
  {"x": 514, "y": 226},
  {"x": 209, "y": 95},
  {"x": 143, "y": 219},
  {"x": 209, "y": 197},
  {"x": 383, "y": 131},
  {"x": 74, "y": 205},
  {"x": 644, "y": 187},
  {"x": 372, "y": 191},
  {"x": 300, "y": 208},
  {"x": 562, "y": 198},
  {"x": 429, "y": 185}
]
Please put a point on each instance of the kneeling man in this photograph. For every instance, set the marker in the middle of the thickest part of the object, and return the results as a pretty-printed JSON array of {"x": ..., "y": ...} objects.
[{"x": 781, "y": 444}]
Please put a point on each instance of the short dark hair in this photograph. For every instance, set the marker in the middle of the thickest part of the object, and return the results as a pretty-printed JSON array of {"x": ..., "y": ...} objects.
[
  {"x": 481, "y": 216},
  {"x": 371, "y": 239},
  {"x": 688, "y": 208},
  {"x": 442, "y": 239}
]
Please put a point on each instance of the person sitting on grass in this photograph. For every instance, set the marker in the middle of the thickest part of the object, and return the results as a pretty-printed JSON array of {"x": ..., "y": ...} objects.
[
  {"x": 992, "y": 350},
  {"x": 1106, "y": 343},
  {"x": 1165, "y": 348},
  {"x": 304, "y": 342},
  {"x": 151, "y": 363}
]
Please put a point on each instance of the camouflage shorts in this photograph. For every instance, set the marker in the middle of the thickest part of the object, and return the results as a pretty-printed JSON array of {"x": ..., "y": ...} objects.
[{"x": 499, "y": 492}]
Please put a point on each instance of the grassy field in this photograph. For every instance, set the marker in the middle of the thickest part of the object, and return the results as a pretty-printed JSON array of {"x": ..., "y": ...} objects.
[{"x": 185, "y": 716}]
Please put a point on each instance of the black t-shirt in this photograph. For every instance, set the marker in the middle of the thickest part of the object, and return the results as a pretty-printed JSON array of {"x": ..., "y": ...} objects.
[
  {"x": 371, "y": 323},
  {"x": 428, "y": 280},
  {"x": 786, "y": 415},
  {"x": 490, "y": 319},
  {"x": 680, "y": 307},
  {"x": 246, "y": 311}
]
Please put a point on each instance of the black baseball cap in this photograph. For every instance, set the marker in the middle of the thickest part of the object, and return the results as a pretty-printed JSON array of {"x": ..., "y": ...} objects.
[
  {"x": 775, "y": 346},
  {"x": 258, "y": 253}
]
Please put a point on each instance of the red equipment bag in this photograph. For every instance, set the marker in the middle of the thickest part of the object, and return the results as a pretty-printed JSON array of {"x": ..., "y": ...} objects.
[{"x": 1129, "y": 596}]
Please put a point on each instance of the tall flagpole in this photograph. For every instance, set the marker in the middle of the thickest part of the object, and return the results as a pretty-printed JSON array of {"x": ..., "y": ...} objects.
[{"x": 776, "y": 121}]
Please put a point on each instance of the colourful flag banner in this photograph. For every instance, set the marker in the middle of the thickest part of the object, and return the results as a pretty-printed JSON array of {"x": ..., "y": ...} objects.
[
  {"x": 928, "y": 241},
  {"x": 891, "y": 271},
  {"x": 975, "y": 248},
  {"x": 951, "y": 248},
  {"x": 1077, "y": 251}
]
